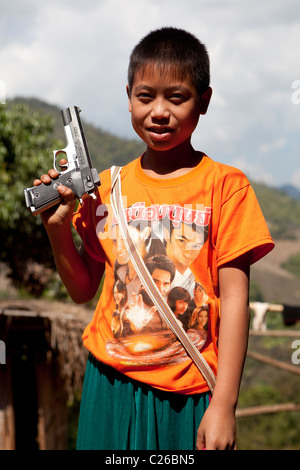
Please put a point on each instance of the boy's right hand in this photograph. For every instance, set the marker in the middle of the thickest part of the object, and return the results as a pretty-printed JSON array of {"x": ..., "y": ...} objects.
[{"x": 61, "y": 213}]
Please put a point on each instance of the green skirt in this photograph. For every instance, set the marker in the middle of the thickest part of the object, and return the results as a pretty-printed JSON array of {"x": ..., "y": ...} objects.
[{"x": 118, "y": 413}]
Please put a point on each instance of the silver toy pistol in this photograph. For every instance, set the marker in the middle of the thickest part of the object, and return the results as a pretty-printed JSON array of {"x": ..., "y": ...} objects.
[{"x": 79, "y": 174}]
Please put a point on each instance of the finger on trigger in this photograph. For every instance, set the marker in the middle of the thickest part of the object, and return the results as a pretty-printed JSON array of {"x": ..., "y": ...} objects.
[{"x": 63, "y": 164}]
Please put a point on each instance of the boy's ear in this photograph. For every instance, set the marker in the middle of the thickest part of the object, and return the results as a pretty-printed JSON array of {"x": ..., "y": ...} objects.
[
  {"x": 129, "y": 99},
  {"x": 205, "y": 100}
]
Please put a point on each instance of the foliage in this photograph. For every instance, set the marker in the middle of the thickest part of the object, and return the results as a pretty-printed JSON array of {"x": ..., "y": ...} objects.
[
  {"x": 26, "y": 145},
  {"x": 269, "y": 431},
  {"x": 278, "y": 431}
]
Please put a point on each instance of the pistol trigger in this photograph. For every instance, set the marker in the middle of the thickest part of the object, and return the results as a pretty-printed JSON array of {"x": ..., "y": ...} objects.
[
  {"x": 54, "y": 159},
  {"x": 62, "y": 156}
]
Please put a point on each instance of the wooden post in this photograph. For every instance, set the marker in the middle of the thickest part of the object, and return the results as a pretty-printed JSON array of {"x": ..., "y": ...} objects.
[
  {"x": 7, "y": 418},
  {"x": 51, "y": 403}
]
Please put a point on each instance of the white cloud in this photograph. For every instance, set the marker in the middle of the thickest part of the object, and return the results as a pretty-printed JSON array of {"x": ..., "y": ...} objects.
[
  {"x": 273, "y": 145},
  {"x": 253, "y": 171}
]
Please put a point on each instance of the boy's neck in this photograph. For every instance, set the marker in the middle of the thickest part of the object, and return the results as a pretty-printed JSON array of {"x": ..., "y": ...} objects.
[{"x": 170, "y": 163}]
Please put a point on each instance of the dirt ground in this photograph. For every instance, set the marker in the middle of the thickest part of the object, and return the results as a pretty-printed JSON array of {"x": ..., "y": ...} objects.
[{"x": 277, "y": 284}]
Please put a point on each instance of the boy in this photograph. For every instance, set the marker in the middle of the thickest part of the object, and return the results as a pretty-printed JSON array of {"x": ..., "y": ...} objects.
[{"x": 142, "y": 391}]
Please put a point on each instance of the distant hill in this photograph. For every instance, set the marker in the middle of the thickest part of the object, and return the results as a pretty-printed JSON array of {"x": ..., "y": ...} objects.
[
  {"x": 282, "y": 211},
  {"x": 291, "y": 191}
]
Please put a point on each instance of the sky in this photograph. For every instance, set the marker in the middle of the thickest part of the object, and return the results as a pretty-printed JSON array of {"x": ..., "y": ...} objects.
[{"x": 75, "y": 52}]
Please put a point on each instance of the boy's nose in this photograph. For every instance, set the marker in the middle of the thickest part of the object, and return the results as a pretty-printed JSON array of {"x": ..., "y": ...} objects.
[{"x": 160, "y": 110}]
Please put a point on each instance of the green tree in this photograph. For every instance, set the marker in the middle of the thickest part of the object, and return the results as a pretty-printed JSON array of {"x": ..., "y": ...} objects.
[{"x": 26, "y": 146}]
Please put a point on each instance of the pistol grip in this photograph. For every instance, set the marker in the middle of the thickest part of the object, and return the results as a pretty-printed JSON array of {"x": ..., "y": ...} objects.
[{"x": 42, "y": 197}]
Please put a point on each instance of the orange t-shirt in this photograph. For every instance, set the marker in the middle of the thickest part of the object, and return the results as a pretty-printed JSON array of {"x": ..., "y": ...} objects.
[{"x": 184, "y": 228}]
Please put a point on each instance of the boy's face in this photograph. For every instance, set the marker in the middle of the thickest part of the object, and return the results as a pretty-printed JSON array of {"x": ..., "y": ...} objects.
[{"x": 164, "y": 110}]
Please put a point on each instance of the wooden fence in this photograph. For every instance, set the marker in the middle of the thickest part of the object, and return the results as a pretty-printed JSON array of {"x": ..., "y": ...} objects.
[{"x": 259, "y": 323}]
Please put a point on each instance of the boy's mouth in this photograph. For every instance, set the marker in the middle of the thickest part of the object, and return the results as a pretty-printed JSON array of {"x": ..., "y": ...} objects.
[{"x": 160, "y": 130}]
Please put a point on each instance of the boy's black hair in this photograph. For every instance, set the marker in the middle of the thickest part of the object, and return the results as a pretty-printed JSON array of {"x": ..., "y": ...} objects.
[{"x": 172, "y": 47}]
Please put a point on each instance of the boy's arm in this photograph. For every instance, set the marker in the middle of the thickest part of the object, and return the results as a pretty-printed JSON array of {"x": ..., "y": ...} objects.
[
  {"x": 217, "y": 429},
  {"x": 80, "y": 273}
]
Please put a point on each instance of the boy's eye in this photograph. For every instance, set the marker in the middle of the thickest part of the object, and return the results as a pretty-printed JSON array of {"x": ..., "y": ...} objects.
[
  {"x": 144, "y": 97},
  {"x": 177, "y": 98}
]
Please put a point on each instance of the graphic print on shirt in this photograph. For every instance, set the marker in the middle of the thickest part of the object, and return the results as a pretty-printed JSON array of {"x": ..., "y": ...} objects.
[{"x": 169, "y": 238}]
